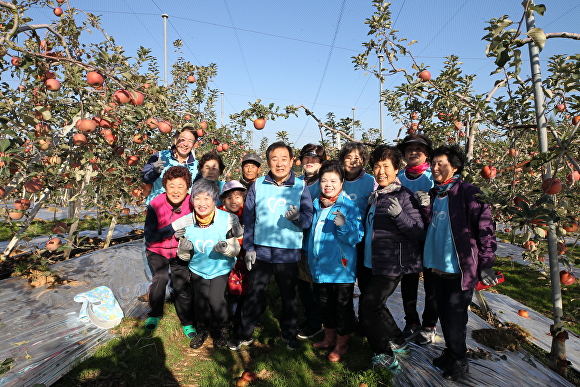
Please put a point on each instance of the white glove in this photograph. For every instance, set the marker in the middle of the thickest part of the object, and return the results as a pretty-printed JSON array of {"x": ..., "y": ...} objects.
[
  {"x": 395, "y": 208},
  {"x": 488, "y": 276},
  {"x": 339, "y": 219},
  {"x": 183, "y": 222},
  {"x": 292, "y": 214},
  {"x": 184, "y": 249},
  {"x": 158, "y": 166},
  {"x": 250, "y": 259},
  {"x": 423, "y": 197},
  {"x": 230, "y": 247},
  {"x": 179, "y": 233}
]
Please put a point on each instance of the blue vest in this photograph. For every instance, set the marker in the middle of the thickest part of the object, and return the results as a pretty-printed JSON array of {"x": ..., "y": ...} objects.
[
  {"x": 314, "y": 188},
  {"x": 370, "y": 224},
  {"x": 359, "y": 191},
  {"x": 439, "y": 252},
  {"x": 422, "y": 183},
  {"x": 170, "y": 161},
  {"x": 205, "y": 262},
  {"x": 272, "y": 229}
]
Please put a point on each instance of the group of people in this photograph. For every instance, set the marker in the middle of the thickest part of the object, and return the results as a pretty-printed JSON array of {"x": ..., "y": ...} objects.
[{"x": 318, "y": 234}]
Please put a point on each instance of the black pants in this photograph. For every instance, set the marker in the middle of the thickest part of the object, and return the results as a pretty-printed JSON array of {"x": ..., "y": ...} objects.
[
  {"x": 159, "y": 266},
  {"x": 309, "y": 299},
  {"x": 409, "y": 290},
  {"x": 378, "y": 322},
  {"x": 452, "y": 304},
  {"x": 256, "y": 298},
  {"x": 209, "y": 302},
  {"x": 337, "y": 307}
]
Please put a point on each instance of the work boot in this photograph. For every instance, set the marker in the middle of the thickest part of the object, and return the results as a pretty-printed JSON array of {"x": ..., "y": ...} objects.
[
  {"x": 340, "y": 349},
  {"x": 456, "y": 369},
  {"x": 329, "y": 339}
]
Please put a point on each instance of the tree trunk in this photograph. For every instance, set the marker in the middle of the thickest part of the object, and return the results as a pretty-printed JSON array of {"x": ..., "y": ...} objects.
[{"x": 110, "y": 233}]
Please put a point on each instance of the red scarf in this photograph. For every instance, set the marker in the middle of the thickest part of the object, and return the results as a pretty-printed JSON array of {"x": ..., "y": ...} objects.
[
  {"x": 238, "y": 213},
  {"x": 418, "y": 169},
  {"x": 327, "y": 202}
]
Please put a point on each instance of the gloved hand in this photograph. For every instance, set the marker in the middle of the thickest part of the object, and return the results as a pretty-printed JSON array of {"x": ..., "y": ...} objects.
[
  {"x": 184, "y": 249},
  {"x": 230, "y": 247},
  {"x": 237, "y": 230},
  {"x": 339, "y": 219},
  {"x": 158, "y": 166},
  {"x": 488, "y": 276},
  {"x": 183, "y": 222},
  {"x": 292, "y": 214},
  {"x": 395, "y": 208},
  {"x": 424, "y": 199},
  {"x": 179, "y": 233},
  {"x": 250, "y": 259}
]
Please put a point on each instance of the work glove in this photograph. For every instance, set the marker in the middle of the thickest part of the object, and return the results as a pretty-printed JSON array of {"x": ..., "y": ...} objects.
[
  {"x": 250, "y": 259},
  {"x": 424, "y": 199},
  {"x": 179, "y": 233},
  {"x": 339, "y": 219},
  {"x": 488, "y": 276},
  {"x": 292, "y": 214},
  {"x": 237, "y": 230},
  {"x": 183, "y": 222},
  {"x": 230, "y": 247},
  {"x": 184, "y": 249},
  {"x": 394, "y": 209},
  {"x": 158, "y": 166}
]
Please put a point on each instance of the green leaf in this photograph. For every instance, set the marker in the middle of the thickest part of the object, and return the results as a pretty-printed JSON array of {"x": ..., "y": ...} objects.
[
  {"x": 540, "y": 9},
  {"x": 538, "y": 36},
  {"x": 4, "y": 144}
]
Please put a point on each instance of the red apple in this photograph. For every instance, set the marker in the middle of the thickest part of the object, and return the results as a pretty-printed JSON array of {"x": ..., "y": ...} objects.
[
  {"x": 425, "y": 75},
  {"x": 79, "y": 139},
  {"x": 52, "y": 84},
  {"x": 551, "y": 186},
  {"x": 122, "y": 96},
  {"x": 561, "y": 107},
  {"x": 86, "y": 125},
  {"x": 34, "y": 185},
  {"x": 132, "y": 160},
  {"x": 567, "y": 278},
  {"x": 191, "y": 79},
  {"x": 573, "y": 177},
  {"x": 53, "y": 244},
  {"x": 22, "y": 204},
  {"x": 164, "y": 126},
  {"x": 95, "y": 79},
  {"x": 57, "y": 11},
  {"x": 260, "y": 123},
  {"x": 575, "y": 120},
  {"x": 488, "y": 172}
]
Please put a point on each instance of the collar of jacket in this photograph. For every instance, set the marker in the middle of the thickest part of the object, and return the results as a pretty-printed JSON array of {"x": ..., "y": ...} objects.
[
  {"x": 289, "y": 181},
  {"x": 190, "y": 158}
]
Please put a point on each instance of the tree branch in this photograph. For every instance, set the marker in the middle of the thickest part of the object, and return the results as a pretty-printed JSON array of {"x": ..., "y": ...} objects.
[{"x": 549, "y": 35}]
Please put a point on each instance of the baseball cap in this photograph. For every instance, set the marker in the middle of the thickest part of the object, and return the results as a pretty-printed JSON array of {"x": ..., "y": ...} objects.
[
  {"x": 230, "y": 186},
  {"x": 252, "y": 157}
]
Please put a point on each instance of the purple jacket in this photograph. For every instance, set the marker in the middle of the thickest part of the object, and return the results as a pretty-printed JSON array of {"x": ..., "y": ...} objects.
[
  {"x": 397, "y": 243},
  {"x": 158, "y": 229},
  {"x": 473, "y": 231}
]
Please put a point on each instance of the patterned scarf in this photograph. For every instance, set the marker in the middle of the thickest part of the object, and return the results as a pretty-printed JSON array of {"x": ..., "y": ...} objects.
[
  {"x": 203, "y": 223},
  {"x": 327, "y": 202},
  {"x": 393, "y": 187},
  {"x": 446, "y": 185},
  {"x": 417, "y": 169}
]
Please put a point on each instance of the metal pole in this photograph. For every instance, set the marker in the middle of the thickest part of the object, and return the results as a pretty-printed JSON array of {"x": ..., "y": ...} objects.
[
  {"x": 353, "y": 126},
  {"x": 165, "y": 16},
  {"x": 222, "y": 95},
  {"x": 558, "y": 350},
  {"x": 381, "y": 56}
]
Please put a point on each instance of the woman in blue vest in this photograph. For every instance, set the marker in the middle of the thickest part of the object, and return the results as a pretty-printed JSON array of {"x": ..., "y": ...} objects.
[
  {"x": 181, "y": 154},
  {"x": 210, "y": 245},
  {"x": 394, "y": 230},
  {"x": 278, "y": 208},
  {"x": 358, "y": 184},
  {"x": 336, "y": 229},
  {"x": 211, "y": 166}
]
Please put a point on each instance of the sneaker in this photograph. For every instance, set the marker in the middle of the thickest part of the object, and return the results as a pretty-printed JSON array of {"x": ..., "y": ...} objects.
[
  {"x": 456, "y": 369},
  {"x": 411, "y": 331},
  {"x": 443, "y": 359},
  {"x": 235, "y": 344},
  {"x": 222, "y": 338},
  {"x": 307, "y": 332},
  {"x": 399, "y": 346},
  {"x": 383, "y": 360},
  {"x": 426, "y": 335},
  {"x": 292, "y": 343},
  {"x": 198, "y": 340}
]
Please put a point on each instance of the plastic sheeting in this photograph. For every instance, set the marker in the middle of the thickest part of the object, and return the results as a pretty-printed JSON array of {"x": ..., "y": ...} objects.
[
  {"x": 39, "y": 327},
  {"x": 40, "y": 330}
]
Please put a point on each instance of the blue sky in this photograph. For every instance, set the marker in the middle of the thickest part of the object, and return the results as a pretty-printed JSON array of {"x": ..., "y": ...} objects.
[{"x": 299, "y": 52}]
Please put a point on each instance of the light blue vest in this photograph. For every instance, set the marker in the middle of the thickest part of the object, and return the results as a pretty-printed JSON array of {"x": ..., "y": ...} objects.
[
  {"x": 314, "y": 188},
  {"x": 439, "y": 252},
  {"x": 370, "y": 224},
  {"x": 166, "y": 156},
  {"x": 359, "y": 191},
  {"x": 422, "y": 183},
  {"x": 205, "y": 262},
  {"x": 272, "y": 229}
]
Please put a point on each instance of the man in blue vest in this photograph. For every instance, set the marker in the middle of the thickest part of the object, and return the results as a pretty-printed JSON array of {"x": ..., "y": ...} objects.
[{"x": 278, "y": 208}]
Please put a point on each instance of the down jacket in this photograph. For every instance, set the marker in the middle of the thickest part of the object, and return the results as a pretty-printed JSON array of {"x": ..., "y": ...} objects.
[
  {"x": 397, "y": 243},
  {"x": 473, "y": 231}
]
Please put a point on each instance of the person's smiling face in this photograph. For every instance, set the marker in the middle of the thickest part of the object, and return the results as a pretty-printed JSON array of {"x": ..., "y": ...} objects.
[
  {"x": 184, "y": 143},
  {"x": 211, "y": 170},
  {"x": 234, "y": 201},
  {"x": 415, "y": 154},
  {"x": 353, "y": 164},
  {"x": 330, "y": 184},
  {"x": 441, "y": 168},
  {"x": 311, "y": 165},
  {"x": 385, "y": 173},
  {"x": 280, "y": 162},
  {"x": 203, "y": 204},
  {"x": 176, "y": 191}
]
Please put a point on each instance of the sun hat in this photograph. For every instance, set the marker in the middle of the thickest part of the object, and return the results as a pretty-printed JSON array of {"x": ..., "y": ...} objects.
[
  {"x": 253, "y": 158},
  {"x": 417, "y": 139},
  {"x": 230, "y": 186}
]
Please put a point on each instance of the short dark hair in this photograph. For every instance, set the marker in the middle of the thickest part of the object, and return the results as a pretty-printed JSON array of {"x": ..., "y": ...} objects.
[
  {"x": 352, "y": 146},
  {"x": 211, "y": 155},
  {"x": 335, "y": 166},
  {"x": 387, "y": 152},
  {"x": 276, "y": 145},
  {"x": 186, "y": 129},
  {"x": 308, "y": 149},
  {"x": 175, "y": 173},
  {"x": 454, "y": 154}
]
